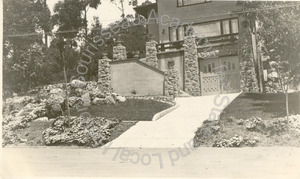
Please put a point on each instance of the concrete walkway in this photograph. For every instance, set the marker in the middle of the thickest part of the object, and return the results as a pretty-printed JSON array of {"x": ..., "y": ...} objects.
[{"x": 176, "y": 128}]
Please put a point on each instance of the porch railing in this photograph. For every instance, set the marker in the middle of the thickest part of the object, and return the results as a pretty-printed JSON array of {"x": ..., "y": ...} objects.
[
  {"x": 201, "y": 42},
  {"x": 168, "y": 46},
  {"x": 220, "y": 39}
]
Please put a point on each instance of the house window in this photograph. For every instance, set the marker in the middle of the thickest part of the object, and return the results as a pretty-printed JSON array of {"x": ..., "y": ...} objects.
[
  {"x": 224, "y": 65},
  {"x": 172, "y": 34},
  {"x": 176, "y": 34},
  {"x": 229, "y": 66},
  {"x": 226, "y": 27},
  {"x": 180, "y": 32},
  {"x": 216, "y": 28},
  {"x": 233, "y": 66},
  {"x": 190, "y": 2},
  {"x": 207, "y": 29},
  {"x": 234, "y": 26},
  {"x": 230, "y": 26}
]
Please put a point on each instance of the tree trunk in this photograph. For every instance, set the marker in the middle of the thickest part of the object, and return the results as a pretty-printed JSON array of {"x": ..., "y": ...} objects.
[
  {"x": 46, "y": 39},
  {"x": 256, "y": 54},
  {"x": 67, "y": 95},
  {"x": 46, "y": 35},
  {"x": 287, "y": 104},
  {"x": 287, "y": 100},
  {"x": 85, "y": 18},
  {"x": 299, "y": 102},
  {"x": 298, "y": 98}
]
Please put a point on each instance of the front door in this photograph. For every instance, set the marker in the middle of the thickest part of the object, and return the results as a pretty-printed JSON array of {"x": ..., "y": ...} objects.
[{"x": 219, "y": 75}]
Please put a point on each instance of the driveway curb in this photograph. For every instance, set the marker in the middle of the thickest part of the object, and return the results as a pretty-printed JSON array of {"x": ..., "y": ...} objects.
[{"x": 166, "y": 111}]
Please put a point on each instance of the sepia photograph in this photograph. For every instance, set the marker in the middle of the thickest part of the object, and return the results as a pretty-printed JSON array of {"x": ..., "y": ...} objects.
[{"x": 150, "y": 89}]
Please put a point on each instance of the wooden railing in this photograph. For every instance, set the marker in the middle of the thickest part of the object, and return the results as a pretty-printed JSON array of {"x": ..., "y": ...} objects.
[
  {"x": 201, "y": 42},
  {"x": 221, "y": 39},
  {"x": 167, "y": 46}
]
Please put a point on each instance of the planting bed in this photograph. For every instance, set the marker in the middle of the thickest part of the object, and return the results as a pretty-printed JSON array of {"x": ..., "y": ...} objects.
[{"x": 253, "y": 120}]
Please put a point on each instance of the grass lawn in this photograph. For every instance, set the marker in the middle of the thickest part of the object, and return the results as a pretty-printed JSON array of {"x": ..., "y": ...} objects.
[
  {"x": 245, "y": 106},
  {"x": 130, "y": 110},
  {"x": 33, "y": 133}
]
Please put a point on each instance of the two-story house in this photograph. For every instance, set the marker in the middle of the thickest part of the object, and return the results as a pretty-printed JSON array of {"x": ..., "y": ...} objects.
[{"x": 224, "y": 61}]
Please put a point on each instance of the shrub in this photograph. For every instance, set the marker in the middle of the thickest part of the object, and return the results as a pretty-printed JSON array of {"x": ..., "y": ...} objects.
[
  {"x": 277, "y": 126},
  {"x": 236, "y": 141},
  {"x": 255, "y": 124},
  {"x": 82, "y": 131}
]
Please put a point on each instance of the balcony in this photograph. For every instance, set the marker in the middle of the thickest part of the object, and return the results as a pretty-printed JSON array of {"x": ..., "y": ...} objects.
[{"x": 201, "y": 42}]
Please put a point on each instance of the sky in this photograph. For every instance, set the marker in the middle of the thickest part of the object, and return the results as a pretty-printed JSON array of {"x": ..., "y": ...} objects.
[{"x": 106, "y": 11}]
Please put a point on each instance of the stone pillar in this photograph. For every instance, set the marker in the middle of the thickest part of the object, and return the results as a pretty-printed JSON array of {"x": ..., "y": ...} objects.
[
  {"x": 249, "y": 82},
  {"x": 171, "y": 81},
  {"x": 191, "y": 75},
  {"x": 151, "y": 53},
  {"x": 119, "y": 52},
  {"x": 104, "y": 79}
]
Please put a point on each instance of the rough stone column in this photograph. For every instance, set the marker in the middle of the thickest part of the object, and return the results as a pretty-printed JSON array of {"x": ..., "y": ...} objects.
[
  {"x": 151, "y": 53},
  {"x": 191, "y": 75},
  {"x": 104, "y": 79},
  {"x": 119, "y": 52},
  {"x": 171, "y": 80},
  {"x": 249, "y": 82}
]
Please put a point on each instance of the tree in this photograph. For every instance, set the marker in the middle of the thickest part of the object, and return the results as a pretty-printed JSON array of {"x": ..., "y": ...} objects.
[
  {"x": 23, "y": 59},
  {"x": 24, "y": 17},
  {"x": 278, "y": 26},
  {"x": 134, "y": 36},
  {"x": 68, "y": 16}
]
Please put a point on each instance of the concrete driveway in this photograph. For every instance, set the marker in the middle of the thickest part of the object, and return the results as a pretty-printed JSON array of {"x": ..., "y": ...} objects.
[{"x": 176, "y": 128}]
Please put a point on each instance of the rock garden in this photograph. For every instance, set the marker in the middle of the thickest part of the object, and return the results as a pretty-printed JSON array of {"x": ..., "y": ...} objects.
[
  {"x": 40, "y": 118},
  {"x": 253, "y": 120}
]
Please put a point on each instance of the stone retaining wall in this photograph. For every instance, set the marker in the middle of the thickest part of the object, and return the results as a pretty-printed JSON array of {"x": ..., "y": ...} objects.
[
  {"x": 151, "y": 53},
  {"x": 104, "y": 77},
  {"x": 119, "y": 52},
  {"x": 249, "y": 82},
  {"x": 171, "y": 82},
  {"x": 192, "y": 83}
]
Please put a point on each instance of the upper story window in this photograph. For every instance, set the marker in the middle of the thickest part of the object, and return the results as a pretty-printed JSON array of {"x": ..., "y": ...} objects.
[
  {"x": 216, "y": 28},
  {"x": 206, "y": 29},
  {"x": 176, "y": 34},
  {"x": 190, "y": 2}
]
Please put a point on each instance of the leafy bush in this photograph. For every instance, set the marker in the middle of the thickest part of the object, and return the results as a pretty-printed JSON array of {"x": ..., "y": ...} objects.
[
  {"x": 255, "y": 124},
  {"x": 236, "y": 141},
  {"x": 82, "y": 131},
  {"x": 277, "y": 126},
  {"x": 205, "y": 132}
]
